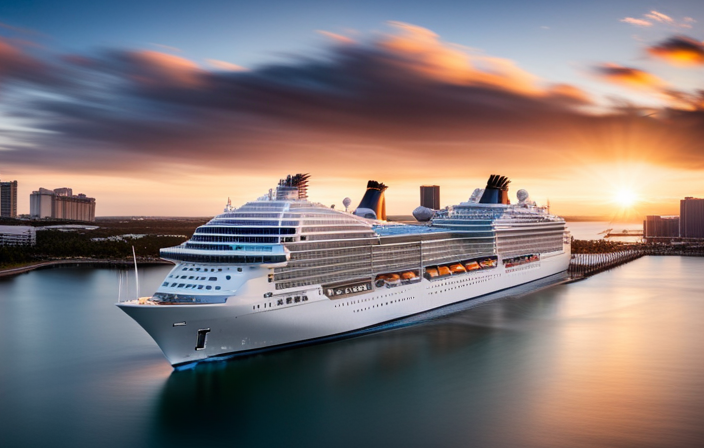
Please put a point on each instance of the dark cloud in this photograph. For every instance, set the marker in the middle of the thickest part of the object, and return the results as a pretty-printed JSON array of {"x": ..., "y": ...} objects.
[
  {"x": 680, "y": 50},
  {"x": 405, "y": 100},
  {"x": 629, "y": 76}
]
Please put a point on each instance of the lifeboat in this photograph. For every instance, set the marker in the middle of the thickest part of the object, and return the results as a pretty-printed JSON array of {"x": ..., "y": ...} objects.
[
  {"x": 393, "y": 279},
  {"x": 432, "y": 272},
  {"x": 443, "y": 270},
  {"x": 488, "y": 263},
  {"x": 472, "y": 266},
  {"x": 408, "y": 275},
  {"x": 457, "y": 268}
]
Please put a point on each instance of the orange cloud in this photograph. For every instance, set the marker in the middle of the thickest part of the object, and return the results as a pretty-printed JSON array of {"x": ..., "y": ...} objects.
[
  {"x": 638, "y": 22},
  {"x": 629, "y": 77},
  {"x": 336, "y": 37},
  {"x": 660, "y": 17},
  {"x": 222, "y": 65},
  {"x": 420, "y": 50},
  {"x": 155, "y": 68},
  {"x": 680, "y": 50}
]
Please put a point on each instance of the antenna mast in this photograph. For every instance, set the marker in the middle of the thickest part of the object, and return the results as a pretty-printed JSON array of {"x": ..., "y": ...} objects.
[{"x": 136, "y": 273}]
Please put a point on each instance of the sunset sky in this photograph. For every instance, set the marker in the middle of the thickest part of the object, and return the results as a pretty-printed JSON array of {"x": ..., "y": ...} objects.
[{"x": 170, "y": 107}]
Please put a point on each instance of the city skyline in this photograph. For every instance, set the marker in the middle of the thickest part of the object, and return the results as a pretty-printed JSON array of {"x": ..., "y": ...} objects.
[{"x": 173, "y": 110}]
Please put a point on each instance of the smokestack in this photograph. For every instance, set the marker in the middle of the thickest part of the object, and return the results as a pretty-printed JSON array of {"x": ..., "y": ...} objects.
[
  {"x": 496, "y": 191},
  {"x": 373, "y": 204}
]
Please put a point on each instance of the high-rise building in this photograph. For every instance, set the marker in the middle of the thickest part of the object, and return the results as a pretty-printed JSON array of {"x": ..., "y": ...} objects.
[
  {"x": 692, "y": 218},
  {"x": 430, "y": 196},
  {"x": 61, "y": 203},
  {"x": 661, "y": 227},
  {"x": 8, "y": 199}
]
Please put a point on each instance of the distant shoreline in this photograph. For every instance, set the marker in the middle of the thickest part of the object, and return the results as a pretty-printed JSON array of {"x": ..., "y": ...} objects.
[{"x": 95, "y": 261}]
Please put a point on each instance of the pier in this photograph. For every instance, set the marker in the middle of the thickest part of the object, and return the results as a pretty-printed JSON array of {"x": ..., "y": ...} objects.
[{"x": 598, "y": 256}]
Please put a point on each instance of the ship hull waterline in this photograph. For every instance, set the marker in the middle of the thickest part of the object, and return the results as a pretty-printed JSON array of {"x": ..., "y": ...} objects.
[{"x": 234, "y": 329}]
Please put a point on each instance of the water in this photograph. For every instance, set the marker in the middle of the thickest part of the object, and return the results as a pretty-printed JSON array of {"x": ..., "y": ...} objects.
[
  {"x": 593, "y": 230},
  {"x": 615, "y": 360}
]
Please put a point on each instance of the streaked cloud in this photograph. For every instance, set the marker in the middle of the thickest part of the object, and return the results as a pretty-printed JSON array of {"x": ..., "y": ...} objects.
[
  {"x": 629, "y": 77},
  {"x": 638, "y": 22},
  {"x": 660, "y": 17},
  {"x": 405, "y": 97},
  {"x": 223, "y": 65},
  {"x": 652, "y": 17},
  {"x": 336, "y": 37},
  {"x": 680, "y": 50}
]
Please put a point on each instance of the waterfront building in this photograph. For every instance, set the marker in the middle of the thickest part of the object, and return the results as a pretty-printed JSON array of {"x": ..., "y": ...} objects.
[
  {"x": 18, "y": 235},
  {"x": 692, "y": 218},
  {"x": 8, "y": 199},
  {"x": 430, "y": 196},
  {"x": 661, "y": 227},
  {"x": 61, "y": 203}
]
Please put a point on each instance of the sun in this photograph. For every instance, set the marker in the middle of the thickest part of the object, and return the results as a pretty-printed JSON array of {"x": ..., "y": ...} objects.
[{"x": 625, "y": 198}]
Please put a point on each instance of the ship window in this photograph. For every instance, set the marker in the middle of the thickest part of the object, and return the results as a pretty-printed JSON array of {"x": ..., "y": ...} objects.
[
  {"x": 165, "y": 284},
  {"x": 181, "y": 285},
  {"x": 202, "y": 338},
  {"x": 239, "y": 269},
  {"x": 288, "y": 300},
  {"x": 217, "y": 287},
  {"x": 184, "y": 269},
  {"x": 190, "y": 278},
  {"x": 219, "y": 270},
  {"x": 213, "y": 279},
  {"x": 200, "y": 286},
  {"x": 228, "y": 277},
  {"x": 173, "y": 284},
  {"x": 304, "y": 298},
  {"x": 297, "y": 299},
  {"x": 279, "y": 302}
]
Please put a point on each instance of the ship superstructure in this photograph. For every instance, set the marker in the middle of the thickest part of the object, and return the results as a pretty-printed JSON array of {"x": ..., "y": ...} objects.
[{"x": 283, "y": 270}]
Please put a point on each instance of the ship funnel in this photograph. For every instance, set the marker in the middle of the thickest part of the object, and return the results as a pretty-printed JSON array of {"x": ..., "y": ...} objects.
[
  {"x": 496, "y": 191},
  {"x": 293, "y": 188},
  {"x": 373, "y": 204}
]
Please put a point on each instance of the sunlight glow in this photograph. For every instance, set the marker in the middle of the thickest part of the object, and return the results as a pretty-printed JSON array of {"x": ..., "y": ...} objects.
[{"x": 625, "y": 198}]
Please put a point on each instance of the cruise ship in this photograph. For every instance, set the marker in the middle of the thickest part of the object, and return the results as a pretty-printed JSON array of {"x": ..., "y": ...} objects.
[{"x": 282, "y": 270}]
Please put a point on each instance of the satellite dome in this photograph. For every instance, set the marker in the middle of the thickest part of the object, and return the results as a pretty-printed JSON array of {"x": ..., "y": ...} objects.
[
  {"x": 423, "y": 214},
  {"x": 522, "y": 195},
  {"x": 365, "y": 213}
]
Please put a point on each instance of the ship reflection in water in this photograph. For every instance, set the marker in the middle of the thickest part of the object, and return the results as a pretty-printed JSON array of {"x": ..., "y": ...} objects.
[{"x": 614, "y": 360}]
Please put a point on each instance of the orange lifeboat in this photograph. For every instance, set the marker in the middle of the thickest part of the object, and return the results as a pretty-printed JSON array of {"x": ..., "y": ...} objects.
[
  {"x": 392, "y": 277},
  {"x": 408, "y": 275},
  {"x": 432, "y": 272},
  {"x": 488, "y": 263},
  {"x": 472, "y": 266},
  {"x": 443, "y": 270},
  {"x": 457, "y": 268}
]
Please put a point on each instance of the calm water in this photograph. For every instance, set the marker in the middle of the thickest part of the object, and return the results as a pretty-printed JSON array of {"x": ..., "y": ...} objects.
[
  {"x": 616, "y": 360},
  {"x": 594, "y": 230}
]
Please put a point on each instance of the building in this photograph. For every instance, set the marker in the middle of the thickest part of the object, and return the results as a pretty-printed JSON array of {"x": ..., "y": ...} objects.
[
  {"x": 692, "y": 218},
  {"x": 8, "y": 199},
  {"x": 17, "y": 235},
  {"x": 661, "y": 227},
  {"x": 430, "y": 196},
  {"x": 61, "y": 203}
]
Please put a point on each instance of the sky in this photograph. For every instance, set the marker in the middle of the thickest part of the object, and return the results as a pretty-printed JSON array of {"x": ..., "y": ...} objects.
[{"x": 170, "y": 107}]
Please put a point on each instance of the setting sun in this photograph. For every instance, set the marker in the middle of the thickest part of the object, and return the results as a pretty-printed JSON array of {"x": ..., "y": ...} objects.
[{"x": 625, "y": 198}]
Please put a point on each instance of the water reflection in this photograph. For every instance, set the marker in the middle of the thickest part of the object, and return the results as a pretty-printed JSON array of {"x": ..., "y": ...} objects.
[{"x": 614, "y": 360}]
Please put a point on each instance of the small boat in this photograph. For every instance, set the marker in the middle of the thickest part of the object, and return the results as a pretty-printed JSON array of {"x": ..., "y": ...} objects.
[
  {"x": 472, "y": 266},
  {"x": 408, "y": 275},
  {"x": 457, "y": 268},
  {"x": 432, "y": 272},
  {"x": 444, "y": 270}
]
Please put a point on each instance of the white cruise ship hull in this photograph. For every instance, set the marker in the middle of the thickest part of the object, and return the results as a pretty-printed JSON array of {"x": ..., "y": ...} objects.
[{"x": 248, "y": 323}]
